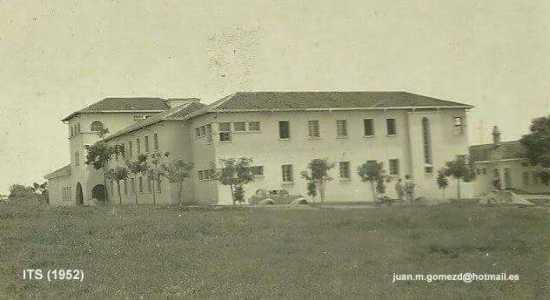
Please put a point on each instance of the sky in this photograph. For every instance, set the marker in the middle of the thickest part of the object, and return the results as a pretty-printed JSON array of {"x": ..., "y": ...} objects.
[{"x": 60, "y": 56}]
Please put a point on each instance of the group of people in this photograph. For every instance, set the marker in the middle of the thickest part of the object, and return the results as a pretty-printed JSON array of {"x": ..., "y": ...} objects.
[{"x": 405, "y": 190}]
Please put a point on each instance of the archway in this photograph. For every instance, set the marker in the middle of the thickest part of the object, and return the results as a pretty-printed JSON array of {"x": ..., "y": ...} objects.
[
  {"x": 98, "y": 192},
  {"x": 507, "y": 179},
  {"x": 79, "y": 195}
]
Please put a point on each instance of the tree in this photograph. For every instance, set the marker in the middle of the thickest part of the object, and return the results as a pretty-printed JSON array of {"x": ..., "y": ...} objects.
[
  {"x": 442, "y": 181},
  {"x": 537, "y": 147},
  {"x": 318, "y": 173},
  {"x": 117, "y": 175},
  {"x": 312, "y": 189},
  {"x": 372, "y": 172},
  {"x": 136, "y": 167},
  {"x": 98, "y": 156},
  {"x": 19, "y": 191},
  {"x": 176, "y": 171},
  {"x": 235, "y": 173},
  {"x": 459, "y": 170},
  {"x": 41, "y": 189},
  {"x": 154, "y": 169}
]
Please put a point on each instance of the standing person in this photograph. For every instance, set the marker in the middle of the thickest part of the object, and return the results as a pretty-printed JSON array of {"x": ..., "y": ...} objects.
[
  {"x": 400, "y": 191},
  {"x": 409, "y": 188}
]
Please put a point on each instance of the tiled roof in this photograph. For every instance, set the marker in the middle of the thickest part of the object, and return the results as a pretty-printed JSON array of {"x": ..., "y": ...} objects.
[
  {"x": 288, "y": 101},
  {"x": 506, "y": 150},
  {"x": 65, "y": 171},
  {"x": 124, "y": 104},
  {"x": 176, "y": 113}
]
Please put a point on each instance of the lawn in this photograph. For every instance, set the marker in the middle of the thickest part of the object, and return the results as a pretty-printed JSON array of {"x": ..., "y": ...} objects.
[{"x": 270, "y": 252}]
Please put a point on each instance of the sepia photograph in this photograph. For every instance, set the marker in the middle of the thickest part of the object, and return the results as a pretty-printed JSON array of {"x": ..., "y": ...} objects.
[{"x": 356, "y": 149}]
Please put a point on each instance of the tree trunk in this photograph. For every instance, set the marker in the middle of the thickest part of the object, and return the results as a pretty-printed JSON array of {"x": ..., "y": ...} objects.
[
  {"x": 373, "y": 190},
  {"x": 232, "y": 195},
  {"x": 458, "y": 188},
  {"x": 119, "y": 195},
  {"x": 134, "y": 187},
  {"x": 154, "y": 197},
  {"x": 179, "y": 191},
  {"x": 322, "y": 191},
  {"x": 105, "y": 185}
]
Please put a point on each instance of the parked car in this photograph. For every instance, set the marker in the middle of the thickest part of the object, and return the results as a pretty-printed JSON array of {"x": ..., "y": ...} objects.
[{"x": 278, "y": 196}]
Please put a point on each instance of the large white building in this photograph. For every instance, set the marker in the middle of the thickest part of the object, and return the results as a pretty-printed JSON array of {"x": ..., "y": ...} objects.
[{"x": 281, "y": 131}]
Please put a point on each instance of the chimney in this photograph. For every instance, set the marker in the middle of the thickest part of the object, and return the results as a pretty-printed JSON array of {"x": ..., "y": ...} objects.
[
  {"x": 175, "y": 102},
  {"x": 496, "y": 135}
]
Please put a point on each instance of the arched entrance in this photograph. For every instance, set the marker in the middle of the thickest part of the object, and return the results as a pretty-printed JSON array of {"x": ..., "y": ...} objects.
[
  {"x": 507, "y": 179},
  {"x": 79, "y": 195},
  {"x": 98, "y": 192}
]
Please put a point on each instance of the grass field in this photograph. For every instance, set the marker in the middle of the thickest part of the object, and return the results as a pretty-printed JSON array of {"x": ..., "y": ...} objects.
[{"x": 270, "y": 252}]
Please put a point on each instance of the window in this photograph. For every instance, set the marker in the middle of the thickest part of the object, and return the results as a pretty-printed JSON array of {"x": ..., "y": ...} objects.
[
  {"x": 208, "y": 174},
  {"x": 257, "y": 170},
  {"x": 118, "y": 189},
  {"x": 390, "y": 126},
  {"x": 458, "y": 126},
  {"x": 149, "y": 185},
  {"x": 96, "y": 126},
  {"x": 133, "y": 185},
  {"x": 344, "y": 170},
  {"x": 239, "y": 126},
  {"x": 426, "y": 139},
  {"x": 478, "y": 172},
  {"x": 77, "y": 158},
  {"x": 140, "y": 184},
  {"x": 225, "y": 131},
  {"x": 138, "y": 145},
  {"x": 156, "y": 141},
  {"x": 369, "y": 127},
  {"x": 287, "y": 173},
  {"x": 197, "y": 132},
  {"x": 284, "y": 129},
  {"x": 201, "y": 175},
  {"x": 253, "y": 126},
  {"x": 71, "y": 130},
  {"x": 484, "y": 171},
  {"x": 394, "y": 166},
  {"x": 125, "y": 187},
  {"x": 202, "y": 130},
  {"x": 342, "y": 128},
  {"x": 146, "y": 144},
  {"x": 78, "y": 128},
  {"x": 159, "y": 186},
  {"x": 313, "y": 127},
  {"x": 130, "y": 149}
]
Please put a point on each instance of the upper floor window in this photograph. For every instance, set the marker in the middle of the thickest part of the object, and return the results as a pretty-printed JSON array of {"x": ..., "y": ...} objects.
[
  {"x": 369, "y": 127},
  {"x": 225, "y": 131},
  {"x": 138, "y": 146},
  {"x": 313, "y": 128},
  {"x": 284, "y": 129},
  {"x": 96, "y": 126},
  {"x": 344, "y": 170},
  {"x": 130, "y": 149},
  {"x": 239, "y": 126},
  {"x": 341, "y": 128},
  {"x": 156, "y": 141},
  {"x": 78, "y": 128},
  {"x": 253, "y": 126},
  {"x": 390, "y": 126},
  {"x": 146, "y": 144},
  {"x": 71, "y": 129},
  {"x": 458, "y": 126}
]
